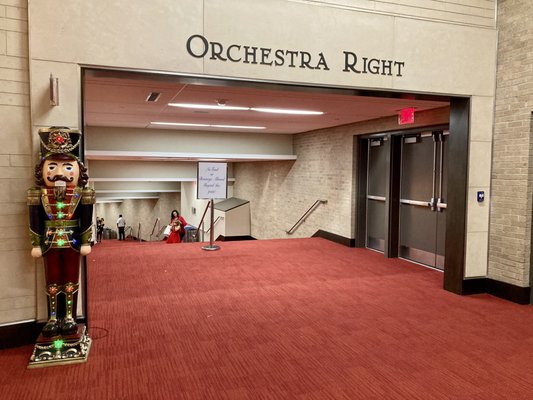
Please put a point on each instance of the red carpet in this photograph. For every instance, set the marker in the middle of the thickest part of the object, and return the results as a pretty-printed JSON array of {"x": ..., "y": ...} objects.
[{"x": 281, "y": 319}]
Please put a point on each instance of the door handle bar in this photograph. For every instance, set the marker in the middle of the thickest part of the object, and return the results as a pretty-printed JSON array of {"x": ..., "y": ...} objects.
[
  {"x": 416, "y": 203},
  {"x": 378, "y": 198}
]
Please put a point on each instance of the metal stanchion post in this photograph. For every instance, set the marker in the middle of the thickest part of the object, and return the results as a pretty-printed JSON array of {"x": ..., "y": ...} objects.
[{"x": 212, "y": 245}]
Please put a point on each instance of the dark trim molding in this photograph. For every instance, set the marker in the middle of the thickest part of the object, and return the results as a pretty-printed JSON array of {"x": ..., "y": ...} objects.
[
  {"x": 457, "y": 192},
  {"x": 18, "y": 334},
  {"x": 234, "y": 238},
  {"x": 22, "y": 334},
  {"x": 507, "y": 291},
  {"x": 361, "y": 174},
  {"x": 335, "y": 238},
  {"x": 503, "y": 290},
  {"x": 474, "y": 286},
  {"x": 392, "y": 240}
]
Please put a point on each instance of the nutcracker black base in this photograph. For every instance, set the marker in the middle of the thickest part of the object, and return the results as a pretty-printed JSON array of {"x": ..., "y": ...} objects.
[{"x": 61, "y": 349}]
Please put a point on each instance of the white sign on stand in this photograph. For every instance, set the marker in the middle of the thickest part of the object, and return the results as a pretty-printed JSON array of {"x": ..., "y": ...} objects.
[
  {"x": 212, "y": 183},
  {"x": 212, "y": 180}
]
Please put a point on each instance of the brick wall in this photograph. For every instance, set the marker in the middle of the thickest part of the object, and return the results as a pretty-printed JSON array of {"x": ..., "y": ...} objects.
[
  {"x": 17, "y": 269},
  {"x": 281, "y": 192},
  {"x": 510, "y": 218}
]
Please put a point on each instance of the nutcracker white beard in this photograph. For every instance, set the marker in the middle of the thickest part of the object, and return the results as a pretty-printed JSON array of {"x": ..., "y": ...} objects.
[{"x": 60, "y": 190}]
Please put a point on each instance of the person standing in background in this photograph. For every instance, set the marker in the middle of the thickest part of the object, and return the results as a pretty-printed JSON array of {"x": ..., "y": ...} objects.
[
  {"x": 121, "y": 225},
  {"x": 177, "y": 227},
  {"x": 99, "y": 229}
]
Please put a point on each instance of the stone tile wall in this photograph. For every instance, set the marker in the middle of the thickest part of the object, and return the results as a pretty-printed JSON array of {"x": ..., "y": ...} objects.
[
  {"x": 17, "y": 268},
  {"x": 512, "y": 167}
]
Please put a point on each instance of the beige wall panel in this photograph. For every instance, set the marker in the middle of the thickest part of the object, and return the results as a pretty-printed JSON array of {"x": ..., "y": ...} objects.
[
  {"x": 298, "y": 27},
  {"x": 478, "y": 213},
  {"x": 479, "y": 164},
  {"x": 455, "y": 65},
  {"x": 162, "y": 140},
  {"x": 189, "y": 201},
  {"x": 467, "y": 11},
  {"x": 67, "y": 113},
  {"x": 237, "y": 221},
  {"x": 135, "y": 34},
  {"x": 456, "y": 14},
  {"x": 131, "y": 169},
  {"x": 481, "y": 118},
  {"x": 476, "y": 254}
]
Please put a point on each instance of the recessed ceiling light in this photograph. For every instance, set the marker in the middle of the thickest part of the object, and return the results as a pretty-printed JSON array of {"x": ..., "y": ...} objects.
[
  {"x": 208, "y": 125},
  {"x": 238, "y": 126},
  {"x": 223, "y": 107},
  {"x": 178, "y": 124},
  {"x": 286, "y": 111}
]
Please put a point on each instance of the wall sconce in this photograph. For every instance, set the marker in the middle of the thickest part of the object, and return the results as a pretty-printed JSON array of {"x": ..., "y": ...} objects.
[{"x": 54, "y": 91}]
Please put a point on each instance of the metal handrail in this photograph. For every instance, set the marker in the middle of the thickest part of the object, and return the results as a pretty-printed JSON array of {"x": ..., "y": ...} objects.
[
  {"x": 155, "y": 224},
  {"x": 126, "y": 230},
  {"x": 214, "y": 223},
  {"x": 201, "y": 222},
  {"x": 139, "y": 232},
  {"x": 306, "y": 214},
  {"x": 160, "y": 231}
]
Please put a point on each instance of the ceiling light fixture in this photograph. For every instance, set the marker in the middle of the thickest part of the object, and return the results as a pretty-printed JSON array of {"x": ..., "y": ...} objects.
[
  {"x": 178, "y": 124},
  {"x": 286, "y": 111},
  {"x": 238, "y": 126},
  {"x": 208, "y": 125},
  {"x": 221, "y": 106}
]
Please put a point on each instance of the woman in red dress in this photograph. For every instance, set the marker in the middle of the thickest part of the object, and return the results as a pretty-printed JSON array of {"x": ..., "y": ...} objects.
[{"x": 177, "y": 227}]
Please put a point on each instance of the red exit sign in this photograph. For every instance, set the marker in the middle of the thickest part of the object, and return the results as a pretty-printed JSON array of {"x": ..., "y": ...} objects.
[{"x": 406, "y": 116}]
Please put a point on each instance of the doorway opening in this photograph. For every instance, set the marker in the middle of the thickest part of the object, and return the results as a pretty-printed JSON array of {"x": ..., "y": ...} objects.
[{"x": 412, "y": 197}]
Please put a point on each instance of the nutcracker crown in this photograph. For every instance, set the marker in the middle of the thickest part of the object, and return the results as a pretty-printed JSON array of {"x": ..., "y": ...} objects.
[{"x": 60, "y": 140}]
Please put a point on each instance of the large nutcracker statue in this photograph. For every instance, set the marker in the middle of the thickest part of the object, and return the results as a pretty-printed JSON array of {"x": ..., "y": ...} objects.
[{"x": 61, "y": 210}]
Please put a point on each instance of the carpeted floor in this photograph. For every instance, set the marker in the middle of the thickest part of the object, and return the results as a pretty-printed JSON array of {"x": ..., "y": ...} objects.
[{"x": 281, "y": 319}]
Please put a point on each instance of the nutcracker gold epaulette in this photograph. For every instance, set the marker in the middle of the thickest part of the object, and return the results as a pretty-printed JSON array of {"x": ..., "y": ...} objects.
[
  {"x": 34, "y": 196},
  {"x": 88, "y": 196}
]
